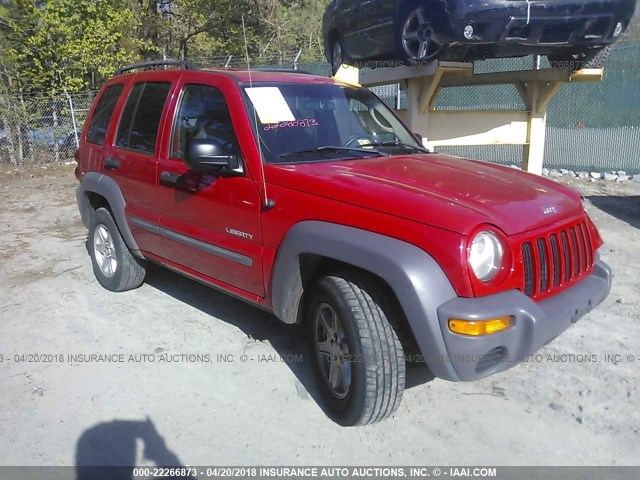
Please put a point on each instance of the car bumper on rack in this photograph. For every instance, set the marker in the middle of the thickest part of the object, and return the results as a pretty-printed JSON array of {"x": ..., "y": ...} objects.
[
  {"x": 533, "y": 324},
  {"x": 540, "y": 23}
]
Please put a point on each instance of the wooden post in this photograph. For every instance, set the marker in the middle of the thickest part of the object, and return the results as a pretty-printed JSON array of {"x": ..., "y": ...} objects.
[{"x": 538, "y": 96}]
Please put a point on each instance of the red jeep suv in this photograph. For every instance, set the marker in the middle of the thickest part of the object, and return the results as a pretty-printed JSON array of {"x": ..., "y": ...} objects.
[{"x": 309, "y": 198}]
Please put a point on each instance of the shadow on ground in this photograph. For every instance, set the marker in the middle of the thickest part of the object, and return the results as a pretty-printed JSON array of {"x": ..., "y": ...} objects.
[
  {"x": 626, "y": 209},
  {"x": 287, "y": 340},
  {"x": 107, "y": 451}
]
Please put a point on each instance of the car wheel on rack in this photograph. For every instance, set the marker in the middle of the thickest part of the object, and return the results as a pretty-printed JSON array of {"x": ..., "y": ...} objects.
[
  {"x": 416, "y": 38},
  {"x": 337, "y": 55}
]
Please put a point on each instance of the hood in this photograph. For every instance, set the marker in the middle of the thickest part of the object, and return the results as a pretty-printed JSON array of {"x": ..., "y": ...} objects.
[{"x": 448, "y": 192}]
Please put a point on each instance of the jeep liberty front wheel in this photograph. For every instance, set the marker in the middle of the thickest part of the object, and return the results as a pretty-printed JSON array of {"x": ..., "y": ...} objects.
[
  {"x": 357, "y": 357},
  {"x": 113, "y": 264}
]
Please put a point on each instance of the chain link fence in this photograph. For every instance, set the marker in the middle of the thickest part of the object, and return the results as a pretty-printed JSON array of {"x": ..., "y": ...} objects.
[
  {"x": 38, "y": 130},
  {"x": 590, "y": 126}
]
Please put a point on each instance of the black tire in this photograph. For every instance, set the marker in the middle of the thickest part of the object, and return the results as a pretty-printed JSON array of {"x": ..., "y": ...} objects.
[
  {"x": 336, "y": 54},
  {"x": 423, "y": 48},
  {"x": 373, "y": 362},
  {"x": 577, "y": 61},
  {"x": 113, "y": 264}
]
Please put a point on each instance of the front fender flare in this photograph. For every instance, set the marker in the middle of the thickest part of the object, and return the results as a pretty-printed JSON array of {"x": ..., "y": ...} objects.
[{"x": 415, "y": 277}]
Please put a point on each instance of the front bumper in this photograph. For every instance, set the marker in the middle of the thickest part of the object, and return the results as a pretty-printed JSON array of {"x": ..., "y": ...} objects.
[
  {"x": 533, "y": 326},
  {"x": 540, "y": 23}
]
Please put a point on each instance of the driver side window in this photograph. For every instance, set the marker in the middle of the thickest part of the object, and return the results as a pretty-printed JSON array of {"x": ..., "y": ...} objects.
[{"x": 203, "y": 114}]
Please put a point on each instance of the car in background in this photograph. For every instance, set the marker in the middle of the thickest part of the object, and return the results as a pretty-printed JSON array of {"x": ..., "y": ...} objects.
[
  {"x": 44, "y": 135},
  {"x": 572, "y": 33},
  {"x": 41, "y": 136}
]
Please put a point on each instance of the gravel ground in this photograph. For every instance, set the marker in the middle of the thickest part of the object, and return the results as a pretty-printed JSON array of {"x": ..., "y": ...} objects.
[{"x": 576, "y": 404}]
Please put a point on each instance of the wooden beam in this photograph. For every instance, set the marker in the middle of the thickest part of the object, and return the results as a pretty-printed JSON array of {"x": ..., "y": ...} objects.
[
  {"x": 533, "y": 151},
  {"x": 387, "y": 76},
  {"x": 524, "y": 76},
  {"x": 429, "y": 88},
  {"x": 434, "y": 98},
  {"x": 523, "y": 91},
  {"x": 348, "y": 74},
  {"x": 477, "y": 127},
  {"x": 547, "y": 93},
  {"x": 587, "y": 75}
]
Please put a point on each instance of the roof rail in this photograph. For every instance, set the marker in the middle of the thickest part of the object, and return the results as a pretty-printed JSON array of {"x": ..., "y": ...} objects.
[
  {"x": 282, "y": 70},
  {"x": 155, "y": 64}
]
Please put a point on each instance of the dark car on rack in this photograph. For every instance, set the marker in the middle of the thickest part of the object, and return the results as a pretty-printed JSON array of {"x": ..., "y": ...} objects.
[{"x": 572, "y": 33}]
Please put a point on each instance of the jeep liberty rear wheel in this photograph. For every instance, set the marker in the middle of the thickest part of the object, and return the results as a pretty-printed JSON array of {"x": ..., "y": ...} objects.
[
  {"x": 113, "y": 264},
  {"x": 357, "y": 357}
]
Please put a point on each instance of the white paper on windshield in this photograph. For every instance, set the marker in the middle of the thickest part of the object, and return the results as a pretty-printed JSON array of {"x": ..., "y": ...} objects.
[{"x": 270, "y": 105}]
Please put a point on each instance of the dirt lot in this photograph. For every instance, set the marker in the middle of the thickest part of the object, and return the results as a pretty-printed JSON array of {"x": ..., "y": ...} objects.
[{"x": 573, "y": 405}]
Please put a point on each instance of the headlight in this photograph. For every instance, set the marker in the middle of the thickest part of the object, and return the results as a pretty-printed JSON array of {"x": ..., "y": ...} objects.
[{"x": 485, "y": 255}]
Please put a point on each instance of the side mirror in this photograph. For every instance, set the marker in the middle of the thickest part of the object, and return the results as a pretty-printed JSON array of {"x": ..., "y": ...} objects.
[
  {"x": 418, "y": 137},
  {"x": 208, "y": 154}
]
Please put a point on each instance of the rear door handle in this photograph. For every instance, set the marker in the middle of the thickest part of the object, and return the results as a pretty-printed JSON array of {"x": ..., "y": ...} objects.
[
  {"x": 170, "y": 179},
  {"x": 111, "y": 163}
]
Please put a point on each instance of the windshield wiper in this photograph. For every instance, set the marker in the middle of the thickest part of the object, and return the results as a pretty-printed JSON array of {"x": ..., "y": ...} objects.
[
  {"x": 329, "y": 149},
  {"x": 399, "y": 144}
]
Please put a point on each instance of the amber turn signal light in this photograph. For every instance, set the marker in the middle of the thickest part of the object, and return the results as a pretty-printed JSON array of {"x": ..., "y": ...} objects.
[{"x": 479, "y": 327}]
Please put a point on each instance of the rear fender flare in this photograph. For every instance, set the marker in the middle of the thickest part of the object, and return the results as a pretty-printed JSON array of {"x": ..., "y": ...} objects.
[{"x": 105, "y": 186}]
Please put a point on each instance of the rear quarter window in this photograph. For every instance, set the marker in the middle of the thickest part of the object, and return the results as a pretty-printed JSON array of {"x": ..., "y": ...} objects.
[
  {"x": 138, "y": 129},
  {"x": 102, "y": 114}
]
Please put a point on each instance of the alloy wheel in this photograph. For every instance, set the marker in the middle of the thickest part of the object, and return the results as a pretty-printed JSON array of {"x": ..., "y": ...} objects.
[
  {"x": 105, "y": 251},
  {"x": 416, "y": 38},
  {"x": 332, "y": 350},
  {"x": 336, "y": 56}
]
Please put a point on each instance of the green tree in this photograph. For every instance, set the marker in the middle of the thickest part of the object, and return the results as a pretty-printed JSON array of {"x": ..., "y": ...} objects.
[
  {"x": 51, "y": 47},
  {"x": 197, "y": 28},
  {"x": 288, "y": 25},
  {"x": 62, "y": 44}
]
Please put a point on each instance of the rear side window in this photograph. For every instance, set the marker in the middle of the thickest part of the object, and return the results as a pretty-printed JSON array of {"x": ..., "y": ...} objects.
[
  {"x": 138, "y": 128},
  {"x": 102, "y": 114}
]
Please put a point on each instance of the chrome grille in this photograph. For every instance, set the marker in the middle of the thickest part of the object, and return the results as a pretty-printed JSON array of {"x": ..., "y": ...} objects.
[{"x": 556, "y": 259}]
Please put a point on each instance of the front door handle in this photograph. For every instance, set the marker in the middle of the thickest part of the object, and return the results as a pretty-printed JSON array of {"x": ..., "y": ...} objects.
[
  {"x": 111, "y": 163},
  {"x": 170, "y": 179}
]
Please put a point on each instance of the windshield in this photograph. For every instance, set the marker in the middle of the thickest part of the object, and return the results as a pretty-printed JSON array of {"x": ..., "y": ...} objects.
[{"x": 306, "y": 122}]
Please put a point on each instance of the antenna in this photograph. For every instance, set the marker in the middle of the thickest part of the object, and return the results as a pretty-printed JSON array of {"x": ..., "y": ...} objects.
[{"x": 268, "y": 204}]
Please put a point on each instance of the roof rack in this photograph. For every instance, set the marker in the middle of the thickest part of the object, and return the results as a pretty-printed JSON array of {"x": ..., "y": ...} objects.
[{"x": 157, "y": 64}]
